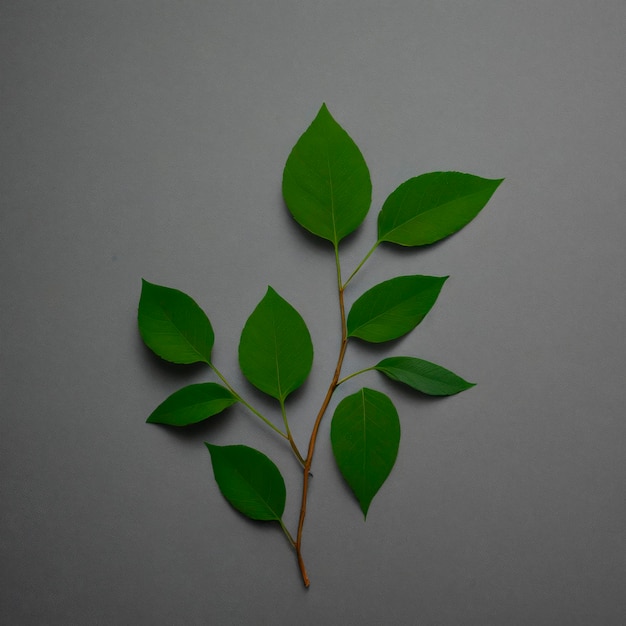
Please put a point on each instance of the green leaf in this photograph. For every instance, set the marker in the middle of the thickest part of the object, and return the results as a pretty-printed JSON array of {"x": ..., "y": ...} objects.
[
  {"x": 192, "y": 404},
  {"x": 275, "y": 349},
  {"x": 250, "y": 482},
  {"x": 326, "y": 183},
  {"x": 365, "y": 436},
  {"x": 173, "y": 326},
  {"x": 423, "y": 376},
  {"x": 393, "y": 308},
  {"x": 430, "y": 207}
]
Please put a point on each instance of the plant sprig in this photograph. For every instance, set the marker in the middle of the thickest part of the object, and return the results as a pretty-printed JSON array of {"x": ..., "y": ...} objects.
[{"x": 328, "y": 191}]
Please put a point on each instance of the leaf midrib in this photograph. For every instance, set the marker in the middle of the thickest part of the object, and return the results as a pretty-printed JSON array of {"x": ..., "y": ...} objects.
[
  {"x": 182, "y": 334},
  {"x": 278, "y": 381},
  {"x": 260, "y": 496},
  {"x": 421, "y": 214},
  {"x": 386, "y": 312},
  {"x": 330, "y": 184}
]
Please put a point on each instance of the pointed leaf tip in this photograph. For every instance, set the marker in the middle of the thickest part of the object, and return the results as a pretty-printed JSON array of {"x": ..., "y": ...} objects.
[
  {"x": 275, "y": 349},
  {"x": 423, "y": 376},
  {"x": 430, "y": 207},
  {"x": 173, "y": 326},
  {"x": 192, "y": 404},
  {"x": 249, "y": 480},
  {"x": 365, "y": 437},
  {"x": 393, "y": 308},
  {"x": 326, "y": 182}
]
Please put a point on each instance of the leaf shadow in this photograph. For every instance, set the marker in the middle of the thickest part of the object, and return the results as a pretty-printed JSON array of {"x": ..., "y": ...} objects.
[
  {"x": 380, "y": 347},
  {"x": 346, "y": 489},
  {"x": 270, "y": 528},
  {"x": 409, "y": 395},
  {"x": 183, "y": 374},
  {"x": 370, "y": 353},
  {"x": 164, "y": 370},
  {"x": 315, "y": 242},
  {"x": 383, "y": 350},
  {"x": 200, "y": 431},
  {"x": 398, "y": 251}
]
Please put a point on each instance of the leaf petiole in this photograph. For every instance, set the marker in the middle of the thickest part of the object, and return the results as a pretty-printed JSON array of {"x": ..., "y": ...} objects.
[
  {"x": 327, "y": 189},
  {"x": 287, "y": 533},
  {"x": 362, "y": 263},
  {"x": 247, "y": 404},
  {"x": 345, "y": 378},
  {"x": 292, "y": 443}
]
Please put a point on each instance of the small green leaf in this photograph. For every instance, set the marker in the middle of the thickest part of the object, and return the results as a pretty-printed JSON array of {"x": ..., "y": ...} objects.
[
  {"x": 250, "y": 482},
  {"x": 173, "y": 326},
  {"x": 192, "y": 404},
  {"x": 326, "y": 183},
  {"x": 423, "y": 376},
  {"x": 432, "y": 206},
  {"x": 275, "y": 349},
  {"x": 365, "y": 436},
  {"x": 393, "y": 308}
]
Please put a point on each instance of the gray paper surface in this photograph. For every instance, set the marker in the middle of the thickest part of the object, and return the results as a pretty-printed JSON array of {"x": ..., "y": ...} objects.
[{"x": 147, "y": 140}]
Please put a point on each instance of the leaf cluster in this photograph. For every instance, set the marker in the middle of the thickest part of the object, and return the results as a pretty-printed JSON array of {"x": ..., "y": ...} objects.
[{"x": 327, "y": 189}]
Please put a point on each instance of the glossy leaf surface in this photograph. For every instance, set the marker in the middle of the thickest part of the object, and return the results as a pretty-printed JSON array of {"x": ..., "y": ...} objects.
[
  {"x": 430, "y": 207},
  {"x": 423, "y": 376},
  {"x": 275, "y": 350},
  {"x": 192, "y": 404},
  {"x": 249, "y": 480},
  {"x": 393, "y": 308},
  {"x": 326, "y": 183},
  {"x": 365, "y": 436},
  {"x": 173, "y": 326}
]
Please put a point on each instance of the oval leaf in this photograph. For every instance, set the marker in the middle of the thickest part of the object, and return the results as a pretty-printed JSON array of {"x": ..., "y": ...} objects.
[
  {"x": 393, "y": 308},
  {"x": 275, "y": 350},
  {"x": 326, "y": 183},
  {"x": 365, "y": 436},
  {"x": 192, "y": 404},
  {"x": 250, "y": 482},
  {"x": 173, "y": 326},
  {"x": 423, "y": 376},
  {"x": 430, "y": 207}
]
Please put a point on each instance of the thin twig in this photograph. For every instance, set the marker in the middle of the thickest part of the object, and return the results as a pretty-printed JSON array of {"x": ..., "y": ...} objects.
[{"x": 309, "y": 458}]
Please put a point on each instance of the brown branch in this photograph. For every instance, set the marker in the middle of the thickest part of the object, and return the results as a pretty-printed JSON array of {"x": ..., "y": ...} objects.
[{"x": 313, "y": 439}]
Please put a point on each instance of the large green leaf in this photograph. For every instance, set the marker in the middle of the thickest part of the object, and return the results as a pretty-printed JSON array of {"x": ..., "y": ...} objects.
[
  {"x": 249, "y": 481},
  {"x": 192, "y": 404},
  {"x": 393, "y": 308},
  {"x": 423, "y": 376},
  {"x": 173, "y": 326},
  {"x": 326, "y": 183},
  {"x": 430, "y": 207},
  {"x": 365, "y": 436},
  {"x": 275, "y": 350}
]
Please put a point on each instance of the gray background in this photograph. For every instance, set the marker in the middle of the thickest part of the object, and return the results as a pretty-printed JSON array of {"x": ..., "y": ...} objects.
[{"x": 147, "y": 139}]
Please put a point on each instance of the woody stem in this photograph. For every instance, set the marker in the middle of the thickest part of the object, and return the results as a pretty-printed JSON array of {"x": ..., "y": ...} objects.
[{"x": 309, "y": 457}]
